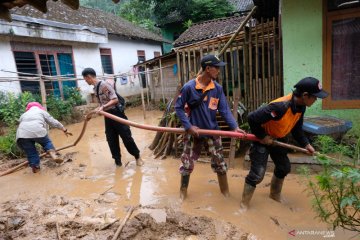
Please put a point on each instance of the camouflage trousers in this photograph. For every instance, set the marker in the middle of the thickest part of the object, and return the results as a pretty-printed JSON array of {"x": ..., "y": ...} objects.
[{"x": 192, "y": 150}]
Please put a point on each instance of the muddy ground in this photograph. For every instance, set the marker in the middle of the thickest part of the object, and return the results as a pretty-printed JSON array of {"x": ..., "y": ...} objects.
[{"x": 87, "y": 197}]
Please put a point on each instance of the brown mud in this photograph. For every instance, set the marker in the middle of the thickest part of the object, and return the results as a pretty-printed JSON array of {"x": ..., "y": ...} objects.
[{"x": 87, "y": 197}]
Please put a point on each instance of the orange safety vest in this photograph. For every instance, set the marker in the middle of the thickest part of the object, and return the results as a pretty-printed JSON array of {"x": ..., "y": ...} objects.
[{"x": 280, "y": 128}]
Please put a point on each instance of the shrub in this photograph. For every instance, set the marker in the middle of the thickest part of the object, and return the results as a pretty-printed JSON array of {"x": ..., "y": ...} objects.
[
  {"x": 73, "y": 95},
  {"x": 12, "y": 106},
  {"x": 336, "y": 195},
  {"x": 326, "y": 144},
  {"x": 8, "y": 146}
]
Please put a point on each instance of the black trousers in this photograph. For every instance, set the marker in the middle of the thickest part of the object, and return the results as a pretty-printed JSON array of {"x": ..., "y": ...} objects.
[
  {"x": 259, "y": 154},
  {"x": 112, "y": 130}
]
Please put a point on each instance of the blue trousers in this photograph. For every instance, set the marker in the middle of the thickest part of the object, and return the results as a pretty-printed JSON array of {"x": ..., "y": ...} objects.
[{"x": 28, "y": 145}]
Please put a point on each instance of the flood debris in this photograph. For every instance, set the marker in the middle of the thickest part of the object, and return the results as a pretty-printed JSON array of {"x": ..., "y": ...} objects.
[{"x": 61, "y": 218}]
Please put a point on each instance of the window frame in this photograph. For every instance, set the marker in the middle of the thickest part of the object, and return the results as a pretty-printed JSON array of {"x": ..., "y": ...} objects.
[
  {"x": 328, "y": 18},
  {"x": 46, "y": 50},
  {"x": 106, "y": 52}
]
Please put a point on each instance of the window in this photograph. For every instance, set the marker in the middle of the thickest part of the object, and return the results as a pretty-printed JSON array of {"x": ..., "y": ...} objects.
[
  {"x": 33, "y": 59},
  {"x": 157, "y": 54},
  {"x": 342, "y": 55},
  {"x": 106, "y": 60}
]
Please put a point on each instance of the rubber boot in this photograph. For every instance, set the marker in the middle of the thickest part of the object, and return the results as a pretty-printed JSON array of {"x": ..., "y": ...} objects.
[
  {"x": 275, "y": 188},
  {"x": 183, "y": 186},
  {"x": 223, "y": 184},
  {"x": 54, "y": 156},
  {"x": 246, "y": 196}
]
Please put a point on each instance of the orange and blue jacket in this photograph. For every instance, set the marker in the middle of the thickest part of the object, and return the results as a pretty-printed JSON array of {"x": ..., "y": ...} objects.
[
  {"x": 203, "y": 115},
  {"x": 279, "y": 118}
]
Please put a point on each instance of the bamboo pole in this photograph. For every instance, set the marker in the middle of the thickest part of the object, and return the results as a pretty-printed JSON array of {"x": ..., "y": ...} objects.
[
  {"x": 232, "y": 69},
  {"x": 161, "y": 82},
  {"x": 238, "y": 30},
  {"x": 257, "y": 87},
  {"x": 226, "y": 77},
  {"x": 246, "y": 67},
  {"x": 189, "y": 63},
  {"x": 270, "y": 96},
  {"x": 142, "y": 96},
  {"x": 251, "y": 90},
  {"x": 179, "y": 68},
  {"x": 265, "y": 85},
  {"x": 128, "y": 215},
  {"x": 275, "y": 70},
  {"x": 184, "y": 66},
  {"x": 238, "y": 71}
]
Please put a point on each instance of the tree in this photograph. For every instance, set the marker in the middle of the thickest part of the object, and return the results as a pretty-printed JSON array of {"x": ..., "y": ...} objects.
[{"x": 166, "y": 11}]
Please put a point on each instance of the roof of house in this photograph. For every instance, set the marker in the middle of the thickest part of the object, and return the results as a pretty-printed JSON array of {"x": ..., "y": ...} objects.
[
  {"x": 209, "y": 29},
  {"x": 59, "y": 12},
  {"x": 242, "y": 5}
]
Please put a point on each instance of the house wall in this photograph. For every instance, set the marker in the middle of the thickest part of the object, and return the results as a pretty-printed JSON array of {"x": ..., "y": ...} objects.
[
  {"x": 302, "y": 30},
  {"x": 7, "y": 63},
  {"x": 170, "y": 81},
  {"x": 124, "y": 56}
]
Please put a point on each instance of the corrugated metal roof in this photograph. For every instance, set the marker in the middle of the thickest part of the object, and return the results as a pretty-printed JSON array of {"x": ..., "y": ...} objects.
[
  {"x": 209, "y": 29},
  {"x": 58, "y": 11}
]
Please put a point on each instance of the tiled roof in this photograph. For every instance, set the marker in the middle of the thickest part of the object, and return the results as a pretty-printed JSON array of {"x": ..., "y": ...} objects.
[
  {"x": 242, "y": 5},
  {"x": 209, "y": 29},
  {"x": 59, "y": 12}
]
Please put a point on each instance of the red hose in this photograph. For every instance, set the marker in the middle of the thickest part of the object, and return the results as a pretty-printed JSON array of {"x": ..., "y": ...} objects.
[{"x": 233, "y": 134}]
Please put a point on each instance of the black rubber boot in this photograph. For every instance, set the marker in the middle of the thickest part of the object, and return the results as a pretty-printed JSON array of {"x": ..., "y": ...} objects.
[
  {"x": 118, "y": 162},
  {"x": 275, "y": 188},
  {"x": 246, "y": 196},
  {"x": 223, "y": 184},
  {"x": 184, "y": 185}
]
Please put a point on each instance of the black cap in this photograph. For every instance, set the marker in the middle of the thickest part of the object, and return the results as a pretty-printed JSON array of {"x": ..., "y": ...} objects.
[
  {"x": 211, "y": 60},
  {"x": 312, "y": 86}
]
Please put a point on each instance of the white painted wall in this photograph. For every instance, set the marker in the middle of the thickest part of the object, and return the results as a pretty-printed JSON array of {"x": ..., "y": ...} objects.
[
  {"x": 124, "y": 56},
  {"x": 86, "y": 55},
  {"x": 7, "y": 62}
]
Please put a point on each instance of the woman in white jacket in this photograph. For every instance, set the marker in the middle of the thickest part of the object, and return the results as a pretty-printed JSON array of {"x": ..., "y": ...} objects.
[{"x": 33, "y": 129}]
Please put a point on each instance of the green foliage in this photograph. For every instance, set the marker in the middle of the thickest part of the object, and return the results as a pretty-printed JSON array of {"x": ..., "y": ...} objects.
[
  {"x": 195, "y": 10},
  {"x": 326, "y": 144},
  {"x": 60, "y": 110},
  {"x": 74, "y": 95},
  {"x": 187, "y": 24},
  {"x": 209, "y": 9},
  {"x": 335, "y": 193},
  {"x": 12, "y": 106},
  {"x": 8, "y": 146}
]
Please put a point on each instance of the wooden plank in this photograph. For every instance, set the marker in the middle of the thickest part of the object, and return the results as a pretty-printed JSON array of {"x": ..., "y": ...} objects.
[{"x": 270, "y": 95}]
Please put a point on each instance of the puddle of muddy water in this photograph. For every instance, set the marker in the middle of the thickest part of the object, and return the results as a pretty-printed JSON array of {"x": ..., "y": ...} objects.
[{"x": 104, "y": 192}]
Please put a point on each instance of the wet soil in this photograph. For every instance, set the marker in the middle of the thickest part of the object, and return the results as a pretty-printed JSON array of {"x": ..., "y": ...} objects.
[{"x": 88, "y": 196}]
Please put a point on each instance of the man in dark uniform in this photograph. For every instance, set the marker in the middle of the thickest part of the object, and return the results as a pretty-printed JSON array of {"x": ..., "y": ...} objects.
[
  {"x": 204, "y": 97},
  {"x": 275, "y": 121},
  {"x": 109, "y": 102}
]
